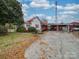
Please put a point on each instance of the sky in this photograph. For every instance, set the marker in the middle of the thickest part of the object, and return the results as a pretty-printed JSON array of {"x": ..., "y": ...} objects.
[{"x": 67, "y": 10}]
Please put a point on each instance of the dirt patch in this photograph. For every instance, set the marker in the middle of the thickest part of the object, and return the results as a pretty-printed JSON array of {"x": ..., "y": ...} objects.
[{"x": 17, "y": 50}]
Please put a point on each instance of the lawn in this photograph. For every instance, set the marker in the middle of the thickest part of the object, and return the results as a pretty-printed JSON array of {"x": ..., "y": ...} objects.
[
  {"x": 13, "y": 45},
  {"x": 12, "y": 38}
]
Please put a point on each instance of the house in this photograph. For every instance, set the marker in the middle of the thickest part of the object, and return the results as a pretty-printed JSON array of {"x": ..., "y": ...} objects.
[
  {"x": 75, "y": 26},
  {"x": 44, "y": 25},
  {"x": 36, "y": 23}
]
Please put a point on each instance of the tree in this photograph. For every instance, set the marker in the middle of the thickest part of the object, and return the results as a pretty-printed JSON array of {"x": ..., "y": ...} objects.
[{"x": 10, "y": 12}]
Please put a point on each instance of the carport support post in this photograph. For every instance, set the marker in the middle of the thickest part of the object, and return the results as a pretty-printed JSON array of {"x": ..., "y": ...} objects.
[
  {"x": 68, "y": 28},
  {"x": 57, "y": 28}
]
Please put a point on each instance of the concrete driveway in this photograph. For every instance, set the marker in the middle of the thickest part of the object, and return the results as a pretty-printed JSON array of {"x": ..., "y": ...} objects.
[{"x": 54, "y": 45}]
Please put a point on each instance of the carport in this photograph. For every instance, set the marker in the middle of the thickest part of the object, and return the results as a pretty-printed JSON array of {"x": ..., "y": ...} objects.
[{"x": 60, "y": 27}]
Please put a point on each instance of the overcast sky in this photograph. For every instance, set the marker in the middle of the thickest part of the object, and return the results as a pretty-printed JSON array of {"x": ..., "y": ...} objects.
[{"x": 67, "y": 10}]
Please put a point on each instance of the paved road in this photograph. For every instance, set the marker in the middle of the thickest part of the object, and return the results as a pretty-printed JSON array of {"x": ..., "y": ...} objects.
[{"x": 54, "y": 45}]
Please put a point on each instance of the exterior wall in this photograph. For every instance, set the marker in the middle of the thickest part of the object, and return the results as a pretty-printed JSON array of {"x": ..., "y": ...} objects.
[
  {"x": 74, "y": 27},
  {"x": 25, "y": 25},
  {"x": 12, "y": 29},
  {"x": 44, "y": 27},
  {"x": 36, "y": 23}
]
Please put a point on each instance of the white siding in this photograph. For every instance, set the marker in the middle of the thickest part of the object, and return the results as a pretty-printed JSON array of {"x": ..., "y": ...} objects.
[
  {"x": 36, "y": 22},
  {"x": 25, "y": 25}
]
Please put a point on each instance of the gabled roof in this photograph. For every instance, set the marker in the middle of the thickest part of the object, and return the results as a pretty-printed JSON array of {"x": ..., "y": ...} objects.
[
  {"x": 42, "y": 22},
  {"x": 34, "y": 19}
]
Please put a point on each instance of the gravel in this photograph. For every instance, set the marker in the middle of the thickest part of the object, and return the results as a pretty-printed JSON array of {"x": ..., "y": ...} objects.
[{"x": 54, "y": 45}]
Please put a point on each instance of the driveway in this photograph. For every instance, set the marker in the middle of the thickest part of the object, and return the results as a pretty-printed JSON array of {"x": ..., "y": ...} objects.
[{"x": 54, "y": 45}]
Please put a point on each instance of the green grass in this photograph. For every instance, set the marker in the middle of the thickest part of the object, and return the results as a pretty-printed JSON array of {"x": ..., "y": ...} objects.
[{"x": 11, "y": 38}]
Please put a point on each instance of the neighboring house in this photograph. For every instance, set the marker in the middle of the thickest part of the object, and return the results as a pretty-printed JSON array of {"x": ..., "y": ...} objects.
[
  {"x": 44, "y": 25},
  {"x": 37, "y": 23},
  {"x": 75, "y": 26},
  {"x": 11, "y": 27}
]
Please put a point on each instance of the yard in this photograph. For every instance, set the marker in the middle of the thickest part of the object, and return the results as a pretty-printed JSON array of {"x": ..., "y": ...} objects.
[{"x": 13, "y": 45}]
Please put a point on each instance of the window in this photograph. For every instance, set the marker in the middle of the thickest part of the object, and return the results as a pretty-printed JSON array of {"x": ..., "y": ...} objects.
[{"x": 37, "y": 25}]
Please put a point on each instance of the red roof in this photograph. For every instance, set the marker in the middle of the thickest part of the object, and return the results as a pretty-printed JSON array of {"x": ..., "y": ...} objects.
[
  {"x": 31, "y": 19},
  {"x": 74, "y": 23},
  {"x": 42, "y": 22}
]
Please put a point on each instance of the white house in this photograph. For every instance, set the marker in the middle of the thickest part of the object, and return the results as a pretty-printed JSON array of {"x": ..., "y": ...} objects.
[
  {"x": 34, "y": 22},
  {"x": 37, "y": 23}
]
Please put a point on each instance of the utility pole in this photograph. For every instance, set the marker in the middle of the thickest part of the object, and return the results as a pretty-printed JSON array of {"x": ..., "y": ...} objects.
[
  {"x": 56, "y": 18},
  {"x": 56, "y": 12}
]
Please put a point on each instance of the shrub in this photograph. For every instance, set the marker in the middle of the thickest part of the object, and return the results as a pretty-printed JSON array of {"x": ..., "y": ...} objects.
[
  {"x": 21, "y": 29},
  {"x": 32, "y": 29},
  {"x": 3, "y": 30}
]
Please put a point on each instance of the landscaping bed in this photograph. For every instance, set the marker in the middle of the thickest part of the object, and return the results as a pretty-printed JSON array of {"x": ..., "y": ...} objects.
[{"x": 12, "y": 46}]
